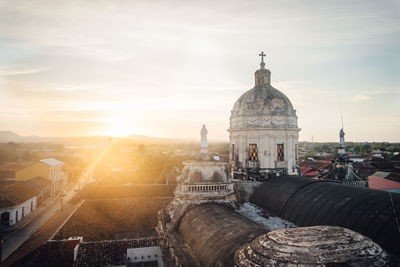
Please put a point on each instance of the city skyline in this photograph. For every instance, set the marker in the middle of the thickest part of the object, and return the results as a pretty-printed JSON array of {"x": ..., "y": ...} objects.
[{"x": 164, "y": 69}]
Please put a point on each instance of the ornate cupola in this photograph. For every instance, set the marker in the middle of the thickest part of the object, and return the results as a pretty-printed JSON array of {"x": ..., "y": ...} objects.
[
  {"x": 263, "y": 75},
  {"x": 263, "y": 129}
]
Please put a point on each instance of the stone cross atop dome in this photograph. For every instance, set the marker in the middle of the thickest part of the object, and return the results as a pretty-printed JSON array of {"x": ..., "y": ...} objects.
[
  {"x": 262, "y": 64},
  {"x": 262, "y": 76}
]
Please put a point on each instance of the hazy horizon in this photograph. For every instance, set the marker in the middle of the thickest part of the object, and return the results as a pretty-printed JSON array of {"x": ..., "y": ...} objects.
[
  {"x": 194, "y": 139},
  {"x": 162, "y": 69}
]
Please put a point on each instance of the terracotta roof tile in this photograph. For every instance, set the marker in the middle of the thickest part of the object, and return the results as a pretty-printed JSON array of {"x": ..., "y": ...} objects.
[
  {"x": 7, "y": 174},
  {"x": 52, "y": 253},
  {"x": 106, "y": 253},
  {"x": 38, "y": 182},
  {"x": 101, "y": 253},
  {"x": 376, "y": 182},
  {"x": 16, "y": 193}
]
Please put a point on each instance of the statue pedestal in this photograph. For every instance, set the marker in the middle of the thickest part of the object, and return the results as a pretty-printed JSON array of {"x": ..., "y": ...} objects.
[
  {"x": 204, "y": 153},
  {"x": 201, "y": 182}
]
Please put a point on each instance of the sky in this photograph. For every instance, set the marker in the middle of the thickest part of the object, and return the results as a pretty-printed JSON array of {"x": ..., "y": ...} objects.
[{"x": 164, "y": 68}]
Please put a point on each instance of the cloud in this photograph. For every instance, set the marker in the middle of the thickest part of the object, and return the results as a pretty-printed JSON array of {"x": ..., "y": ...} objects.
[
  {"x": 20, "y": 71},
  {"x": 358, "y": 98},
  {"x": 369, "y": 95}
]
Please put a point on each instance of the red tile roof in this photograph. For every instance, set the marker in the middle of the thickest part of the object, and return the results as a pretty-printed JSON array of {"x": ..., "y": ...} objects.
[
  {"x": 376, "y": 182},
  {"x": 310, "y": 172},
  {"x": 316, "y": 165},
  {"x": 7, "y": 174},
  {"x": 304, "y": 170},
  {"x": 38, "y": 182},
  {"x": 101, "y": 253}
]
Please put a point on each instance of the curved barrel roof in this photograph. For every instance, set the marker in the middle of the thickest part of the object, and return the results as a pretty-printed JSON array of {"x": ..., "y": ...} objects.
[
  {"x": 214, "y": 233},
  {"x": 308, "y": 202}
]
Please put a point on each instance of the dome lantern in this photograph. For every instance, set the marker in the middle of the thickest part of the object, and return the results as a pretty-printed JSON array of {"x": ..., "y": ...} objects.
[{"x": 262, "y": 76}]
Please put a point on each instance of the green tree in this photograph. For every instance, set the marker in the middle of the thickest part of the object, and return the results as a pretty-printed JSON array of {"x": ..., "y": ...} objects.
[{"x": 309, "y": 155}]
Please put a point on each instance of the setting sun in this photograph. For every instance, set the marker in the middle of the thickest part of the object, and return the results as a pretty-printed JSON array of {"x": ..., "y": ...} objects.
[{"x": 119, "y": 130}]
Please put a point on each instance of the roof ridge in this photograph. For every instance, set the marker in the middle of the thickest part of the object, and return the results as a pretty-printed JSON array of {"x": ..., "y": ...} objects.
[{"x": 117, "y": 240}]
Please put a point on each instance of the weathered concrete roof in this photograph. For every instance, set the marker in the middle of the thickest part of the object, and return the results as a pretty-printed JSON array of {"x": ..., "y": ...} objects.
[
  {"x": 312, "y": 246},
  {"x": 262, "y": 102},
  {"x": 214, "y": 233},
  {"x": 196, "y": 172},
  {"x": 307, "y": 202}
]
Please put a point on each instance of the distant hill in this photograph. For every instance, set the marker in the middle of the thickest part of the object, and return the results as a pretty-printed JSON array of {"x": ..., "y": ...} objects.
[
  {"x": 145, "y": 138},
  {"x": 8, "y": 136}
]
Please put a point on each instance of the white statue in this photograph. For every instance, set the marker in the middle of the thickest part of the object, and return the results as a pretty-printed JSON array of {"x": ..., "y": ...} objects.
[
  {"x": 204, "y": 144},
  {"x": 203, "y": 134}
]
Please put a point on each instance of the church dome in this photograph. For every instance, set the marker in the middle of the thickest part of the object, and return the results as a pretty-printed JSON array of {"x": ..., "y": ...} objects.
[{"x": 263, "y": 106}]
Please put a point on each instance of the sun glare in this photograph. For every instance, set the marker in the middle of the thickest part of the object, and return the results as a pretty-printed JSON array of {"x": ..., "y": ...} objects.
[{"x": 119, "y": 130}]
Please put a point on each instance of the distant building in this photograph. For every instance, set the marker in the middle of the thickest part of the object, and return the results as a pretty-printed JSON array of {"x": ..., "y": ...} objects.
[
  {"x": 16, "y": 201},
  {"x": 313, "y": 168},
  {"x": 385, "y": 181},
  {"x": 376, "y": 154},
  {"x": 308, "y": 172},
  {"x": 7, "y": 170},
  {"x": 41, "y": 184},
  {"x": 50, "y": 169},
  {"x": 342, "y": 169},
  {"x": 7, "y": 174}
]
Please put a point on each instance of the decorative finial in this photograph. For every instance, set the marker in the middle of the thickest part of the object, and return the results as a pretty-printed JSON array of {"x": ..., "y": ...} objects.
[{"x": 262, "y": 64}]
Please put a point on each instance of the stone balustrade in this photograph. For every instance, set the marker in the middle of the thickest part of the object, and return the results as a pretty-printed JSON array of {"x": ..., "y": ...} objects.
[
  {"x": 207, "y": 188},
  {"x": 355, "y": 183}
]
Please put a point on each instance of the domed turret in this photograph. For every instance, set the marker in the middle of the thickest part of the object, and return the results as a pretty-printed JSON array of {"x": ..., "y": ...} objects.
[
  {"x": 263, "y": 128},
  {"x": 263, "y": 106}
]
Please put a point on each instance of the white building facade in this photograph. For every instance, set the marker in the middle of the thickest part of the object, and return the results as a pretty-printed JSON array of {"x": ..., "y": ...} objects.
[
  {"x": 263, "y": 129},
  {"x": 12, "y": 215}
]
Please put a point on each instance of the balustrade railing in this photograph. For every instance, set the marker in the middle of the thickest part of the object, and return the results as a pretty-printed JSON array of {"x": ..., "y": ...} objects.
[
  {"x": 355, "y": 183},
  {"x": 208, "y": 188}
]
